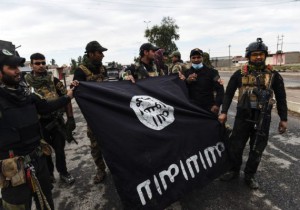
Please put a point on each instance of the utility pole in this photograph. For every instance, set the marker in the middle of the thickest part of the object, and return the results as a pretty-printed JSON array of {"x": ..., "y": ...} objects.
[
  {"x": 277, "y": 49},
  {"x": 279, "y": 52},
  {"x": 147, "y": 22},
  {"x": 229, "y": 57}
]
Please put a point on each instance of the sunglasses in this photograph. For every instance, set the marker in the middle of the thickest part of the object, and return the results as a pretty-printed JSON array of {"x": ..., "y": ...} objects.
[{"x": 39, "y": 63}]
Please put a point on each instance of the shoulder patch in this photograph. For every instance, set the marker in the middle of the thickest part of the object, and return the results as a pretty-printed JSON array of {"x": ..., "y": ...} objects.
[{"x": 6, "y": 52}]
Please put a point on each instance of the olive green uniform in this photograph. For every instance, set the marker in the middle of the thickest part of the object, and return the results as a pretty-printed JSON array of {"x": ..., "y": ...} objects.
[
  {"x": 53, "y": 124},
  {"x": 142, "y": 71},
  {"x": 90, "y": 72}
]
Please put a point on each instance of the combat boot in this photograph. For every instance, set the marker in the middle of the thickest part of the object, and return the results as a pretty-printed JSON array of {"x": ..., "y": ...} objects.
[
  {"x": 67, "y": 178},
  {"x": 251, "y": 182},
  {"x": 230, "y": 175},
  {"x": 99, "y": 177}
]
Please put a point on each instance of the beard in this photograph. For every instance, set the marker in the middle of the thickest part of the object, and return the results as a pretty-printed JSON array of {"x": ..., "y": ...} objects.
[
  {"x": 10, "y": 81},
  {"x": 97, "y": 63}
]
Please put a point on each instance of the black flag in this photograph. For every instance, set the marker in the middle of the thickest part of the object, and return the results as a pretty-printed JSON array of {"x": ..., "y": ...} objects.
[{"x": 157, "y": 145}]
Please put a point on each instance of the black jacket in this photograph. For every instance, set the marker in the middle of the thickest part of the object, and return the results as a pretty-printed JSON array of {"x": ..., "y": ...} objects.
[
  {"x": 19, "y": 126},
  {"x": 235, "y": 82},
  {"x": 201, "y": 91}
]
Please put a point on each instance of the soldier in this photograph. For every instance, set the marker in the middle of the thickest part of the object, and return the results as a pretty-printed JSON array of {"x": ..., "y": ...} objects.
[
  {"x": 202, "y": 81},
  {"x": 206, "y": 60},
  {"x": 24, "y": 169},
  {"x": 92, "y": 70},
  {"x": 54, "y": 128},
  {"x": 177, "y": 64},
  {"x": 256, "y": 83},
  {"x": 145, "y": 67}
]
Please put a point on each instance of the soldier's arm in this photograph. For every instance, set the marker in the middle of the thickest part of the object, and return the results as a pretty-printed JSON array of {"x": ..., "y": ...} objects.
[
  {"x": 280, "y": 95},
  {"x": 44, "y": 107},
  {"x": 230, "y": 91},
  {"x": 218, "y": 87},
  {"x": 61, "y": 90}
]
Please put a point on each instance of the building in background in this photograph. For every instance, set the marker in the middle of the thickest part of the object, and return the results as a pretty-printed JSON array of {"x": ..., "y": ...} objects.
[{"x": 283, "y": 58}]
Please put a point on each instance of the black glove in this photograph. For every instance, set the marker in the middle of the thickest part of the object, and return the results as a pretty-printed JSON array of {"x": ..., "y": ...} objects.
[{"x": 70, "y": 124}]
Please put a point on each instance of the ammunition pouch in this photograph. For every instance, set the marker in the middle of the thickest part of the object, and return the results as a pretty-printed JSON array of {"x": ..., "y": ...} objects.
[
  {"x": 12, "y": 170},
  {"x": 245, "y": 102}
]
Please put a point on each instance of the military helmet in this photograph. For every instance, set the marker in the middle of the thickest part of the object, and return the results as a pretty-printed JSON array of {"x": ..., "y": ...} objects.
[{"x": 256, "y": 46}]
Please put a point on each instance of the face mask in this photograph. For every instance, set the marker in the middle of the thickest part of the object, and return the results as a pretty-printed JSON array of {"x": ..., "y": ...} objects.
[{"x": 197, "y": 66}]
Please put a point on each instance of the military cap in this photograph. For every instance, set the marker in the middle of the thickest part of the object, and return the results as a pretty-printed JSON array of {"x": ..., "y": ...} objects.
[
  {"x": 176, "y": 53},
  {"x": 8, "y": 58},
  {"x": 196, "y": 51},
  {"x": 148, "y": 46},
  {"x": 94, "y": 46}
]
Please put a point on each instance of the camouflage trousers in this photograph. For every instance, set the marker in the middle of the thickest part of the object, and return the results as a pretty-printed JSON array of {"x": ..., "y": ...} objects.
[{"x": 95, "y": 151}]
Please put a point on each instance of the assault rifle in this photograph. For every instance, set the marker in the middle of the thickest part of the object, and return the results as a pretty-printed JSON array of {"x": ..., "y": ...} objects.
[
  {"x": 59, "y": 124},
  {"x": 265, "y": 105}
]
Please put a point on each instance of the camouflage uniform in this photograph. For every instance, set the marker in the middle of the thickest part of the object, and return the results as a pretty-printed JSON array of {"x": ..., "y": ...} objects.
[
  {"x": 176, "y": 67},
  {"x": 142, "y": 71},
  {"x": 206, "y": 60},
  {"x": 53, "y": 124},
  {"x": 88, "y": 72}
]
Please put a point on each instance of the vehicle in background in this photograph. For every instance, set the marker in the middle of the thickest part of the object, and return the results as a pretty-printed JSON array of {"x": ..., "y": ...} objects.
[{"x": 113, "y": 74}]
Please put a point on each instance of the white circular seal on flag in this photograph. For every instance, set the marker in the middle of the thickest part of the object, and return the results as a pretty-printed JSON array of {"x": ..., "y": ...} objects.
[{"x": 151, "y": 112}]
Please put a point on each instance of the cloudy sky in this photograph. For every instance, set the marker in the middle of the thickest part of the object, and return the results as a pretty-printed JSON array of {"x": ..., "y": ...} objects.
[{"x": 60, "y": 29}]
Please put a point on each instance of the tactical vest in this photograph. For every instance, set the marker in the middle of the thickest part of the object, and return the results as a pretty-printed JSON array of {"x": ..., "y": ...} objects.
[
  {"x": 93, "y": 77},
  {"x": 142, "y": 73},
  {"x": 19, "y": 128},
  {"x": 251, "y": 81},
  {"x": 47, "y": 92}
]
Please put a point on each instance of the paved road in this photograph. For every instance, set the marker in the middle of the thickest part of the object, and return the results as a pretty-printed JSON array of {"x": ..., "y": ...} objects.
[{"x": 278, "y": 175}]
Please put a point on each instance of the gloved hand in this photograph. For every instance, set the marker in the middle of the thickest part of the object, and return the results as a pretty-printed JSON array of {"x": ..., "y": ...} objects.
[{"x": 70, "y": 124}]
